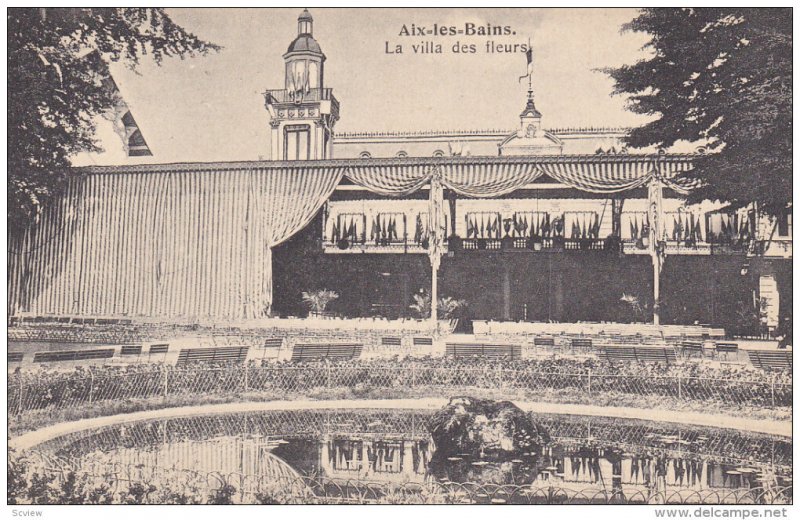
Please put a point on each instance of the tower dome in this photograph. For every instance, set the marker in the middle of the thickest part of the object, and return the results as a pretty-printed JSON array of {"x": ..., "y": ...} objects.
[
  {"x": 305, "y": 41},
  {"x": 304, "y": 58}
]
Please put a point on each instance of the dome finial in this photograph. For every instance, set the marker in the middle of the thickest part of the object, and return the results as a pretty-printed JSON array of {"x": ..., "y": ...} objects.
[{"x": 305, "y": 23}]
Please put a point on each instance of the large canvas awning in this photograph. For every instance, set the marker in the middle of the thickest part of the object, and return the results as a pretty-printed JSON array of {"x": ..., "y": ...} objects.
[
  {"x": 195, "y": 240},
  {"x": 164, "y": 241}
]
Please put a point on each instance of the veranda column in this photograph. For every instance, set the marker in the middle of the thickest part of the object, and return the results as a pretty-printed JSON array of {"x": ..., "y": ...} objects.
[
  {"x": 436, "y": 240},
  {"x": 654, "y": 197}
]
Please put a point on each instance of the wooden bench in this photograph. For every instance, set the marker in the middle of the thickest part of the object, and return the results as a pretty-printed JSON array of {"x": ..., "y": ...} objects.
[
  {"x": 391, "y": 341},
  {"x": 317, "y": 352},
  {"x": 213, "y": 355},
  {"x": 544, "y": 342},
  {"x": 273, "y": 343},
  {"x": 615, "y": 354},
  {"x": 159, "y": 349},
  {"x": 468, "y": 350},
  {"x": 15, "y": 357},
  {"x": 130, "y": 350},
  {"x": 691, "y": 348},
  {"x": 584, "y": 344},
  {"x": 717, "y": 333},
  {"x": 770, "y": 359},
  {"x": 423, "y": 342},
  {"x": 725, "y": 350},
  {"x": 73, "y": 355}
]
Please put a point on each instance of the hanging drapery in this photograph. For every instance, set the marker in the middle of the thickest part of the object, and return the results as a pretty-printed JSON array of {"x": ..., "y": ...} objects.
[
  {"x": 391, "y": 180},
  {"x": 488, "y": 180},
  {"x": 164, "y": 242},
  {"x": 466, "y": 179},
  {"x": 617, "y": 176},
  {"x": 669, "y": 174},
  {"x": 601, "y": 177}
]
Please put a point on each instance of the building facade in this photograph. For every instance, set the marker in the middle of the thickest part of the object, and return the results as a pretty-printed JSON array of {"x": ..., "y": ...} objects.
[
  {"x": 531, "y": 224},
  {"x": 373, "y": 247}
]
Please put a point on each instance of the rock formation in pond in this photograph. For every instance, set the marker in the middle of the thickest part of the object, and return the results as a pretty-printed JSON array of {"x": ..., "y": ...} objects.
[{"x": 478, "y": 427}]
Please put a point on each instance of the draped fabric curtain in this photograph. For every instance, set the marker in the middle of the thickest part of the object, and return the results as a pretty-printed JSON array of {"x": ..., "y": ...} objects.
[
  {"x": 284, "y": 201},
  {"x": 605, "y": 177},
  {"x": 392, "y": 181},
  {"x": 615, "y": 177},
  {"x": 488, "y": 180},
  {"x": 670, "y": 174},
  {"x": 164, "y": 243},
  {"x": 469, "y": 180}
]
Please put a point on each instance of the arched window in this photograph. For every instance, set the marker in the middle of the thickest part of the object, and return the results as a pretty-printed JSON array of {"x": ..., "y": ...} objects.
[
  {"x": 364, "y": 155},
  {"x": 438, "y": 153},
  {"x": 402, "y": 153}
]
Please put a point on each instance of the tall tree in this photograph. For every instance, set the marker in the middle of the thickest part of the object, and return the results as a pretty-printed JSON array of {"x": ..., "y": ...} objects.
[
  {"x": 58, "y": 84},
  {"x": 720, "y": 76}
]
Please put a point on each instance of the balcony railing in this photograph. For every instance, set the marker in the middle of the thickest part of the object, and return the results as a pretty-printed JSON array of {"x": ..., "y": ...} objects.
[
  {"x": 552, "y": 244},
  {"x": 301, "y": 96}
]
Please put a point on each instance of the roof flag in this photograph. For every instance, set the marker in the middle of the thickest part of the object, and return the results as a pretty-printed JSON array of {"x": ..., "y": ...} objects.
[{"x": 529, "y": 58}]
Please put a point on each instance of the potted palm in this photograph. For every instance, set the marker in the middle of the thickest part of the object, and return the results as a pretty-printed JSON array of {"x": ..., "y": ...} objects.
[
  {"x": 318, "y": 301},
  {"x": 448, "y": 308}
]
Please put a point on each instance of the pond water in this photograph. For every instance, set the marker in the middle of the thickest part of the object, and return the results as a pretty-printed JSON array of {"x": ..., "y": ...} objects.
[{"x": 385, "y": 446}]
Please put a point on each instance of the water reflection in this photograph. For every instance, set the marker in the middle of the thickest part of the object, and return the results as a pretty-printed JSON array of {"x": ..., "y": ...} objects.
[{"x": 394, "y": 447}]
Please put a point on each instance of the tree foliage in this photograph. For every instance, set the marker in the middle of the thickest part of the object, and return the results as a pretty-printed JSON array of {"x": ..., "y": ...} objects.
[
  {"x": 720, "y": 76},
  {"x": 58, "y": 83}
]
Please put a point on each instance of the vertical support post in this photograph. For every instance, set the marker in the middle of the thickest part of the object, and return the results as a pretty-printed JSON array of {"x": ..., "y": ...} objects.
[
  {"x": 436, "y": 240},
  {"x": 655, "y": 210},
  {"x": 451, "y": 197},
  {"x": 616, "y": 216},
  {"x": 434, "y": 293},
  {"x": 246, "y": 381},
  {"x": 656, "y": 289},
  {"x": 680, "y": 387}
]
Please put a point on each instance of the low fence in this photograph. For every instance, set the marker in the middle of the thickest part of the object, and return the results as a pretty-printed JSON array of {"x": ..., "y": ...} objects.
[
  {"x": 31, "y": 391},
  {"x": 156, "y": 485}
]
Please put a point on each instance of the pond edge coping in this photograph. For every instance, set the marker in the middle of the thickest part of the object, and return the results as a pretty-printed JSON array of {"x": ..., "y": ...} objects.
[{"x": 31, "y": 439}]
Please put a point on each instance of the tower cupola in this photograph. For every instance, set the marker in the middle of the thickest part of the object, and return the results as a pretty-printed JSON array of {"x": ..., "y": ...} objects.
[{"x": 304, "y": 59}]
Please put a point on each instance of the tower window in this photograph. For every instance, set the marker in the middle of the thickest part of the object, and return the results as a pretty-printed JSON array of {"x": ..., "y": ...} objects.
[
  {"x": 296, "y": 143},
  {"x": 785, "y": 224}
]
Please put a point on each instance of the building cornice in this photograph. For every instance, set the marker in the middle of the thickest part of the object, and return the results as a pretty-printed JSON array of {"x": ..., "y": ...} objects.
[
  {"x": 582, "y": 130},
  {"x": 385, "y": 161}
]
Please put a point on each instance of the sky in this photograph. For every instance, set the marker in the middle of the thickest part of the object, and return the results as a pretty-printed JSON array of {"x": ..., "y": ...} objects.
[{"x": 212, "y": 108}]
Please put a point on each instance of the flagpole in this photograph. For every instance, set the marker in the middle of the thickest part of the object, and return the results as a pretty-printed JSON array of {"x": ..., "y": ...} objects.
[{"x": 530, "y": 76}]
